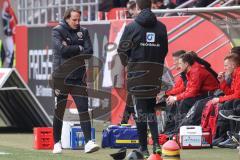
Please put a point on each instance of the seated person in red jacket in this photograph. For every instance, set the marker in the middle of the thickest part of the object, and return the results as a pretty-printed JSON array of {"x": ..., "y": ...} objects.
[
  {"x": 231, "y": 100},
  {"x": 200, "y": 84},
  {"x": 232, "y": 68},
  {"x": 180, "y": 81},
  {"x": 179, "y": 87}
]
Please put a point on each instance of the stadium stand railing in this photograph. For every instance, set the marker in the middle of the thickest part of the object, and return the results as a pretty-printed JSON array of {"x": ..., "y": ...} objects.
[{"x": 41, "y": 12}]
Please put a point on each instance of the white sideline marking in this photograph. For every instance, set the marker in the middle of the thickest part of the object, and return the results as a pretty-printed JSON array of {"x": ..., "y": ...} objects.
[{"x": 4, "y": 153}]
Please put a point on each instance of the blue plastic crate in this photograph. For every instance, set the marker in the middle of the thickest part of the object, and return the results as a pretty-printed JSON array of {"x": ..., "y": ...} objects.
[{"x": 77, "y": 140}]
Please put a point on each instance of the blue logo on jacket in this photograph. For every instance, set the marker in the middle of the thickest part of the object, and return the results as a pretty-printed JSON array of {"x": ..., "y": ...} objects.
[{"x": 150, "y": 37}]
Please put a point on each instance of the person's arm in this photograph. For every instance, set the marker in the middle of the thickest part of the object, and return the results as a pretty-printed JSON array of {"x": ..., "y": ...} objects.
[
  {"x": 178, "y": 87},
  {"x": 193, "y": 86},
  {"x": 125, "y": 45},
  {"x": 236, "y": 91},
  {"x": 61, "y": 47},
  {"x": 87, "y": 46},
  {"x": 225, "y": 88}
]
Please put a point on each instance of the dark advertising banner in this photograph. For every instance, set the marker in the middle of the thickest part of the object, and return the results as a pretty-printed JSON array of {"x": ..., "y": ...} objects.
[{"x": 40, "y": 64}]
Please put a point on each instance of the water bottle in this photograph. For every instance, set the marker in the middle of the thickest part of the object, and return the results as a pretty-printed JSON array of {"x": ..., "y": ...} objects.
[{"x": 80, "y": 140}]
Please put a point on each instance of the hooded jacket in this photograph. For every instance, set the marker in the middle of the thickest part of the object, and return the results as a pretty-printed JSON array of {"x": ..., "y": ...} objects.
[
  {"x": 143, "y": 48},
  {"x": 144, "y": 40},
  {"x": 67, "y": 43},
  {"x": 199, "y": 82}
]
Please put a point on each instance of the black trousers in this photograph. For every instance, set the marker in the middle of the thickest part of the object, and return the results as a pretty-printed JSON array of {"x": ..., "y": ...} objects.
[
  {"x": 223, "y": 125},
  {"x": 146, "y": 115},
  {"x": 82, "y": 107},
  {"x": 171, "y": 114},
  {"x": 177, "y": 112},
  {"x": 129, "y": 110}
]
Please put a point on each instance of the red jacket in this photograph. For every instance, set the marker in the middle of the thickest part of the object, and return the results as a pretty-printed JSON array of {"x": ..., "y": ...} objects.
[
  {"x": 199, "y": 81},
  {"x": 179, "y": 87},
  {"x": 234, "y": 91}
]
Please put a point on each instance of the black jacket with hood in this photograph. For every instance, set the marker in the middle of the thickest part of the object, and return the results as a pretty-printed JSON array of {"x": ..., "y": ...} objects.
[
  {"x": 67, "y": 43},
  {"x": 143, "y": 48},
  {"x": 144, "y": 40}
]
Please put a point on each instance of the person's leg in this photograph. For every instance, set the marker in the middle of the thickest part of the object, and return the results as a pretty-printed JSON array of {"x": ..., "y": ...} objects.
[
  {"x": 82, "y": 106},
  {"x": 223, "y": 125},
  {"x": 236, "y": 109},
  {"x": 146, "y": 113},
  {"x": 153, "y": 124},
  {"x": 171, "y": 112},
  {"x": 226, "y": 126},
  {"x": 186, "y": 104},
  {"x": 128, "y": 111},
  {"x": 141, "y": 122},
  {"x": 58, "y": 117},
  {"x": 183, "y": 107},
  {"x": 152, "y": 119}
]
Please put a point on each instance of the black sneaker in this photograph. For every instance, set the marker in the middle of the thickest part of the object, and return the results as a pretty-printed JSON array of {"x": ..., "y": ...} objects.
[{"x": 157, "y": 149}]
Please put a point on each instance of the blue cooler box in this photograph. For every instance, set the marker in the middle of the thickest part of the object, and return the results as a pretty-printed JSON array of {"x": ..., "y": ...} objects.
[
  {"x": 120, "y": 136},
  {"x": 77, "y": 140}
]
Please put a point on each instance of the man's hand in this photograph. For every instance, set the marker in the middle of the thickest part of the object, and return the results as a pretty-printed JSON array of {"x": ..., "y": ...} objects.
[
  {"x": 221, "y": 76},
  {"x": 215, "y": 100},
  {"x": 171, "y": 100}
]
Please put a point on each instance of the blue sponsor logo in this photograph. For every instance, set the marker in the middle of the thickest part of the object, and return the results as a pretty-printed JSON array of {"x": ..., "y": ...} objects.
[{"x": 150, "y": 37}]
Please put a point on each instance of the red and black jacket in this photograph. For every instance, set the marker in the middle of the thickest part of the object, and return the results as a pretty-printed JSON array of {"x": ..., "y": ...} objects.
[
  {"x": 199, "y": 82},
  {"x": 232, "y": 92}
]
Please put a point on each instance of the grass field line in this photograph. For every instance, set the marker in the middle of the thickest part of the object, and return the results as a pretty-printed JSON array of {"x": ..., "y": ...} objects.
[{"x": 20, "y": 147}]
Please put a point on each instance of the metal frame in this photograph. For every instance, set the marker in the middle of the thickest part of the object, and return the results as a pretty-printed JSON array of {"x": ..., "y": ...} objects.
[
  {"x": 40, "y": 12},
  {"x": 224, "y": 14},
  {"x": 220, "y": 13}
]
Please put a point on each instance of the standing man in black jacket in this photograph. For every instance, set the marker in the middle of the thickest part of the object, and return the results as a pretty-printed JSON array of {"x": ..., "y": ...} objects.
[
  {"x": 69, "y": 42},
  {"x": 143, "y": 48}
]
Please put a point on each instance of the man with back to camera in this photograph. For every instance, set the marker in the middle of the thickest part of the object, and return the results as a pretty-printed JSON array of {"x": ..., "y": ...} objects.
[
  {"x": 70, "y": 40},
  {"x": 144, "y": 42}
]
